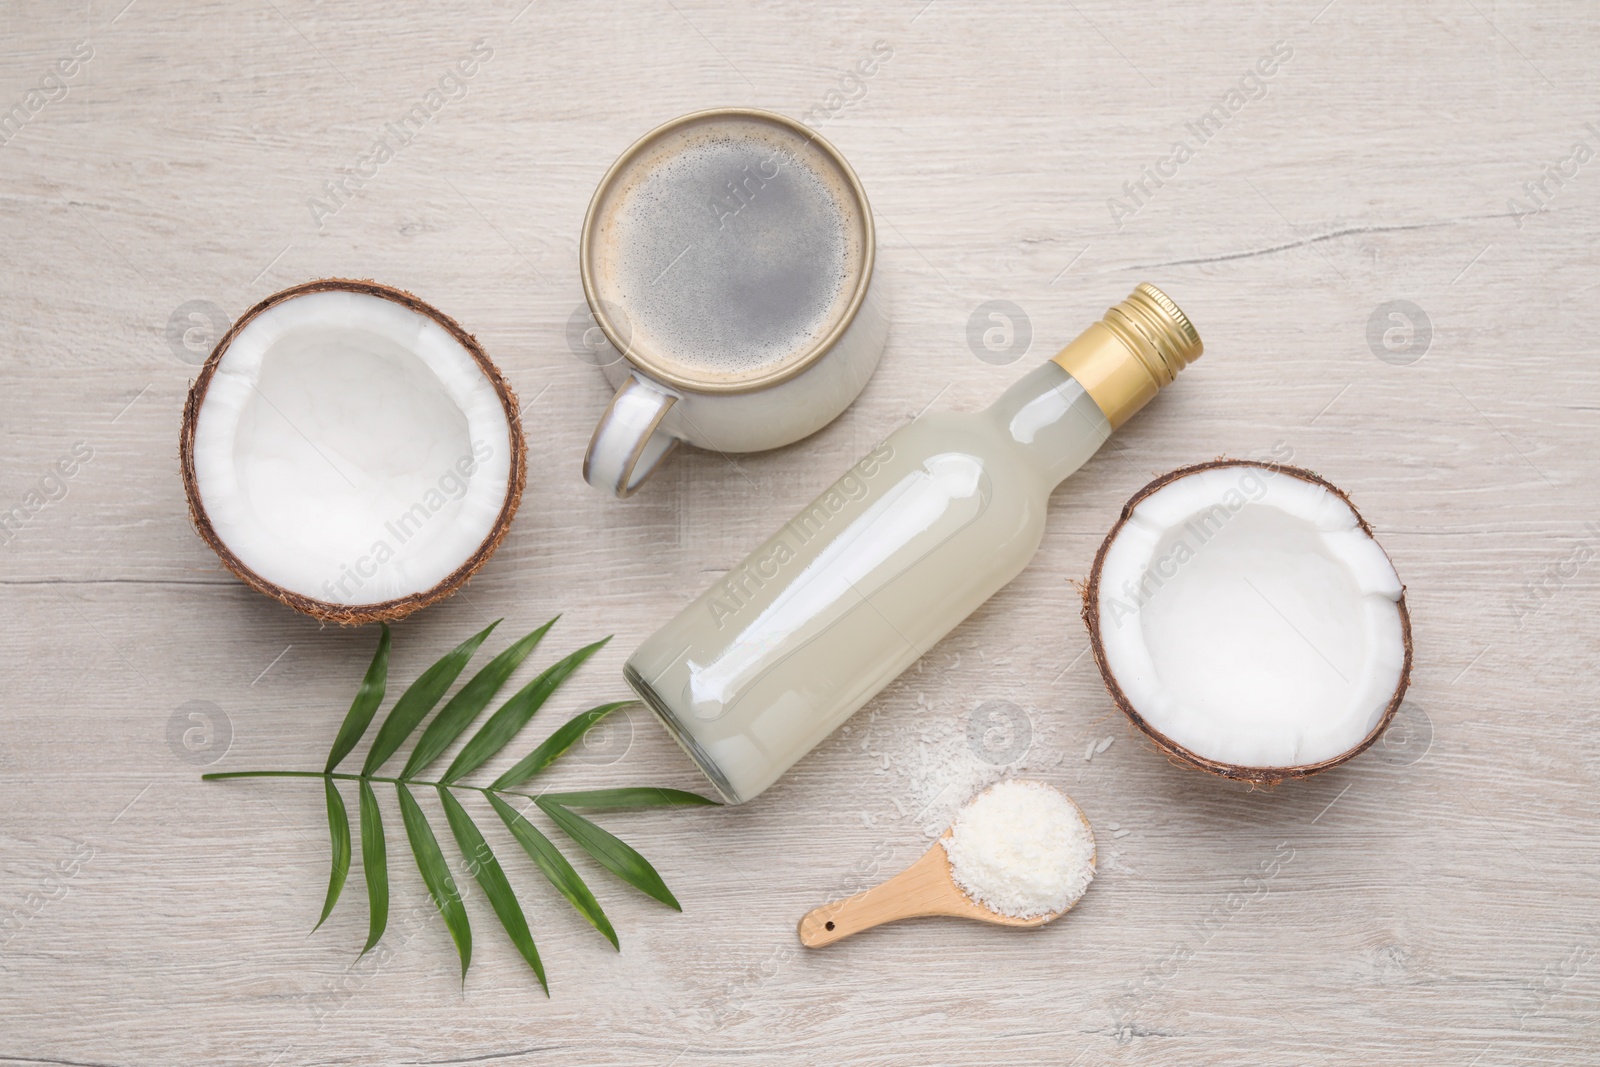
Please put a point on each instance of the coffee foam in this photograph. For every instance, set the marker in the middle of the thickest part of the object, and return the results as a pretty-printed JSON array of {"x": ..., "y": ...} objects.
[{"x": 732, "y": 247}]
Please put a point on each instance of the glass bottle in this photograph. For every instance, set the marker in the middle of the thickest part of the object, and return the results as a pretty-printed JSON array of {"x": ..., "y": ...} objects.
[{"x": 927, "y": 526}]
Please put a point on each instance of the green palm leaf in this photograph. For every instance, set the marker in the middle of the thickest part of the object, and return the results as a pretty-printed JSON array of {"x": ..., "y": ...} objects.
[
  {"x": 611, "y": 853},
  {"x": 436, "y": 874},
  {"x": 487, "y": 870},
  {"x": 365, "y": 705},
  {"x": 415, "y": 703},
  {"x": 375, "y": 864},
  {"x": 339, "y": 831},
  {"x": 556, "y": 868},
  {"x": 514, "y": 714},
  {"x": 557, "y": 743},
  {"x": 461, "y": 711},
  {"x": 466, "y": 705}
]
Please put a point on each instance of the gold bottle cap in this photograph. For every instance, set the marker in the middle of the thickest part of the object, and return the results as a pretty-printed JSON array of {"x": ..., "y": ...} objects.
[{"x": 1139, "y": 346}]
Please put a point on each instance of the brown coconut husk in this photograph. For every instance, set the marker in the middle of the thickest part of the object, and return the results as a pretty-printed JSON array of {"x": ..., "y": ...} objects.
[
  {"x": 388, "y": 610},
  {"x": 1174, "y": 751}
]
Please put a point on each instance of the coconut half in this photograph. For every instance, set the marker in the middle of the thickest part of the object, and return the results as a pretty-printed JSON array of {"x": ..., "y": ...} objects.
[
  {"x": 351, "y": 452},
  {"x": 1244, "y": 617}
]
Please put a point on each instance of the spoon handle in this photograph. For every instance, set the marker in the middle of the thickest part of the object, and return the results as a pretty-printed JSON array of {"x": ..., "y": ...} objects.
[{"x": 924, "y": 888}]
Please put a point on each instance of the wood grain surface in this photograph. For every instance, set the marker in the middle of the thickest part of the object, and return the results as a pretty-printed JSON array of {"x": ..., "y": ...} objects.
[{"x": 1434, "y": 901}]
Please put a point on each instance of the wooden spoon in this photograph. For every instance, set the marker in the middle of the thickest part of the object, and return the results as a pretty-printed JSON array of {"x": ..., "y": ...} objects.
[{"x": 925, "y": 888}]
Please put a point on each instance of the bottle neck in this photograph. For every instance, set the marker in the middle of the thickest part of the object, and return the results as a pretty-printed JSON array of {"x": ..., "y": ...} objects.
[
  {"x": 1138, "y": 347},
  {"x": 1052, "y": 422},
  {"x": 1060, "y": 413}
]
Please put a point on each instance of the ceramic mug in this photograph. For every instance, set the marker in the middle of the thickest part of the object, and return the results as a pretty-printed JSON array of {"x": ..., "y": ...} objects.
[{"x": 763, "y": 327}]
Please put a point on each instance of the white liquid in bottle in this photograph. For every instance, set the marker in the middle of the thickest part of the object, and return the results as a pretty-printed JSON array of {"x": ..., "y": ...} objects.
[{"x": 927, "y": 526}]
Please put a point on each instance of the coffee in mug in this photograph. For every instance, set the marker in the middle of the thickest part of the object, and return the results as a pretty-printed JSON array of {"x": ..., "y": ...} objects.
[{"x": 728, "y": 258}]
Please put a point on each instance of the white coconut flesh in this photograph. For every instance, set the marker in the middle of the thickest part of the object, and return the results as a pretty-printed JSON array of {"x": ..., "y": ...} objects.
[
  {"x": 350, "y": 449},
  {"x": 1247, "y": 616}
]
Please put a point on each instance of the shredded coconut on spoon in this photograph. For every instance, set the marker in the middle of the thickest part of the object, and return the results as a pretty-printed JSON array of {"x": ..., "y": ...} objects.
[{"x": 1022, "y": 848}]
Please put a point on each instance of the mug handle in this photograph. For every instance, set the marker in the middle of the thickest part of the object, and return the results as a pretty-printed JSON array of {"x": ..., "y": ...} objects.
[{"x": 629, "y": 443}]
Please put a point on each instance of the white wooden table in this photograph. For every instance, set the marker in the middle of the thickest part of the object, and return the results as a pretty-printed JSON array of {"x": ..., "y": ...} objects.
[{"x": 1431, "y": 902}]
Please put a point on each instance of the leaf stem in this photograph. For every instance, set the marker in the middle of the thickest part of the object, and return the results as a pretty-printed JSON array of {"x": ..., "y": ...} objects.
[{"x": 217, "y": 776}]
